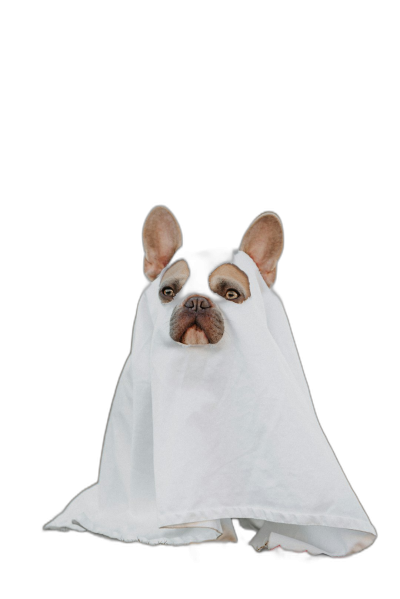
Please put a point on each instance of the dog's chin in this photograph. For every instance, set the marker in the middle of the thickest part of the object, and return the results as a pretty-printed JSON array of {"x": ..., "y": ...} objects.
[{"x": 194, "y": 335}]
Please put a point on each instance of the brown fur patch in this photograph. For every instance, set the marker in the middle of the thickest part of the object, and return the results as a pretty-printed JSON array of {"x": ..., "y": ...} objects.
[
  {"x": 162, "y": 237},
  {"x": 263, "y": 242},
  {"x": 175, "y": 277},
  {"x": 229, "y": 276}
]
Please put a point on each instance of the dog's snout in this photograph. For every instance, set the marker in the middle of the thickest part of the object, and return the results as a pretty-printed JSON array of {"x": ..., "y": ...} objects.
[
  {"x": 196, "y": 321},
  {"x": 198, "y": 303}
]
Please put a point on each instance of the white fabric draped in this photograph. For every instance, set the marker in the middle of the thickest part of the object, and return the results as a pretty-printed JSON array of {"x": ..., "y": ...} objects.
[{"x": 198, "y": 435}]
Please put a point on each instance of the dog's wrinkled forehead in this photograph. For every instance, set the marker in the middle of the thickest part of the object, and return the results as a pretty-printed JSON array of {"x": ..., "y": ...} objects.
[{"x": 201, "y": 264}]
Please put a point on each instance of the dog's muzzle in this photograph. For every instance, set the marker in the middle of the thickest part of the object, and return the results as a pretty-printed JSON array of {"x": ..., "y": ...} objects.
[{"x": 197, "y": 322}]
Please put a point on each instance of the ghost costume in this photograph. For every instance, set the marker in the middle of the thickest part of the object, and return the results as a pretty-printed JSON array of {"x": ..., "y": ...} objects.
[{"x": 200, "y": 434}]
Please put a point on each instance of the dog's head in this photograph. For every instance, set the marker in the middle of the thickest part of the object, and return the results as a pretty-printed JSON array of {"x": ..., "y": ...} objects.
[{"x": 197, "y": 318}]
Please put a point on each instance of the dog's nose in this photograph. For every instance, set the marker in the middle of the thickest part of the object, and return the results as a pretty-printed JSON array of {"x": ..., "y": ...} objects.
[{"x": 197, "y": 303}]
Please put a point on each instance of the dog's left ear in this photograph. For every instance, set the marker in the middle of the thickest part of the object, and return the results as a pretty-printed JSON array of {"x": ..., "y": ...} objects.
[
  {"x": 263, "y": 242},
  {"x": 162, "y": 237}
]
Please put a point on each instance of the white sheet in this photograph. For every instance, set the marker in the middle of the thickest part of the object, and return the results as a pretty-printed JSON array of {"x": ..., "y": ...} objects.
[{"x": 198, "y": 435}]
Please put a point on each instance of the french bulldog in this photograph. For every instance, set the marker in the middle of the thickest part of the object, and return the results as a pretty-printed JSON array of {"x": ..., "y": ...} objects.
[{"x": 198, "y": 318}]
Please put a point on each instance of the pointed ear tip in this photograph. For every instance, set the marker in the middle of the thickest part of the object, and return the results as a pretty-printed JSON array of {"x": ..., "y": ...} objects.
[
  {"x": 162, "y": 214},
  {"x": 271, "y": 215},
  {"x": 153, "y": 211},
  {"x": 267, "y": 215},
  {"x": 159, "y": 209},
  {"x": 274, "y": 219}
]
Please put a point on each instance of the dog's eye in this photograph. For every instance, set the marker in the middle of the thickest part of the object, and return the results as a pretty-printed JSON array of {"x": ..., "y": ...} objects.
[
  {"x": 231, "y": 294},
  {"x": 168, "y": 292}
]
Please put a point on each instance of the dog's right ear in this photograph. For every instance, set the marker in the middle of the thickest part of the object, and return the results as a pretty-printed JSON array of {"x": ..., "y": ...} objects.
[
  {"x": 263, "y": 242},
  {"x": 162, "y": 237}
]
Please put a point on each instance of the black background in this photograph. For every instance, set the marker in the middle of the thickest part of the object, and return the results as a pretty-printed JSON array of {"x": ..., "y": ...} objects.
[{"x": 102, "y": 158}]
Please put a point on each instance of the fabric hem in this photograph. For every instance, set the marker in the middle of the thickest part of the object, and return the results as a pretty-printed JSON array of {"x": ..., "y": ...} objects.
[
  {"x": 144, "y": 540},
  {"x": 169, "y": 519}
]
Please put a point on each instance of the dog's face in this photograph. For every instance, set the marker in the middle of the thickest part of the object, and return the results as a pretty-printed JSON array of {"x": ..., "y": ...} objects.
[
  {"x": 200, "y": 283},
  {"x": 200, "y": 289}
]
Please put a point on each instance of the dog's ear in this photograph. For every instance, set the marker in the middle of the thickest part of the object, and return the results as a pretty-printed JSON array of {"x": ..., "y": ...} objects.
[
  {"x": 263, "y": 242},
  {"x": 162, "y": 237}
]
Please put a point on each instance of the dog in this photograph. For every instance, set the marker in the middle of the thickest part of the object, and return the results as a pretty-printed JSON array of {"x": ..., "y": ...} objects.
[
  {"x": 198, "y": 318},
  {"x": 212, "y": 418}
]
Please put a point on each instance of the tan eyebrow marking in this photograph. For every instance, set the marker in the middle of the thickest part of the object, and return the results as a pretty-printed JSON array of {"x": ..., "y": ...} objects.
[
  {"x": 175, "y": 277},
  {"x": 229, "y": 276}
]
